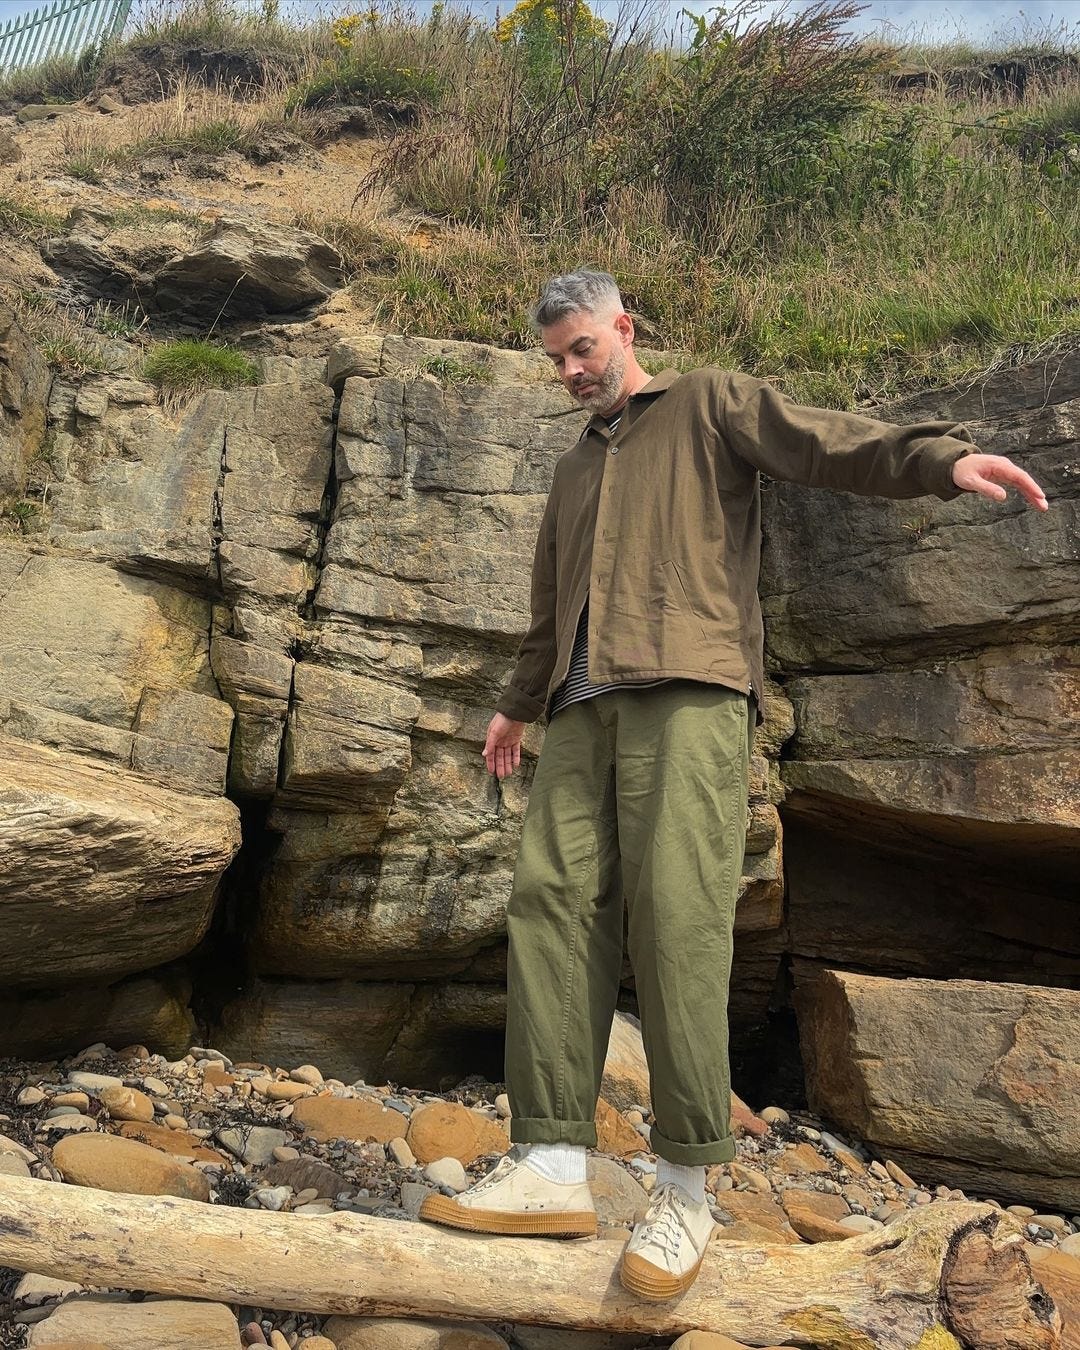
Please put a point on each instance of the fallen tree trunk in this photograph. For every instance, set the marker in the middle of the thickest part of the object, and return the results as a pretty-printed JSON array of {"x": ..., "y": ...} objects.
[{"x": 919, "y": 1283}]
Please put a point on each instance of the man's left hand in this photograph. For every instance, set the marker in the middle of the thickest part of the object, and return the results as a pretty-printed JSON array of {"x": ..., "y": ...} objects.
[{"x": 990, "y": 475}]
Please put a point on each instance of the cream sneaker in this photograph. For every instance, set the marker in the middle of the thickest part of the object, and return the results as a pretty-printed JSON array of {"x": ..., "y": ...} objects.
[
  {"x": 664, "y": 1255},
  {"x": 514, "y": 1199}
]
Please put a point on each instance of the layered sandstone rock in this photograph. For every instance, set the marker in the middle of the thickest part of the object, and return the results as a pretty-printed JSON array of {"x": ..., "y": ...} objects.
[{"x": 969, "y": 1083}]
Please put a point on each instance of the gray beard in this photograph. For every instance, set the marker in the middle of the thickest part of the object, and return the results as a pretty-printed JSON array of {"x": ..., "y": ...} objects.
[{"x": 608, "y": 386}]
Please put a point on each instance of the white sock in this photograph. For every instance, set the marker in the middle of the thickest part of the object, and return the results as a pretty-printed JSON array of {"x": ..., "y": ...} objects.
[
  {"x": 691, "y": 1179},
  {"x": 562, "y": 1163}
]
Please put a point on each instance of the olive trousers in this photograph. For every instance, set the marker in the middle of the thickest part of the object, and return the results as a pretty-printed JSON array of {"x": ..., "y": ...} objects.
[{"x": 638, "y": 805}]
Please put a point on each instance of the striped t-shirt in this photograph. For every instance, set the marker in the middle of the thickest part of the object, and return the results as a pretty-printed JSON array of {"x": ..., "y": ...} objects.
[{"x": 577, "y": 686}]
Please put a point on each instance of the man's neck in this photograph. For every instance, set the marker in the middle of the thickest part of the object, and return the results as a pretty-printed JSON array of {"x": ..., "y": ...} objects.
[{"x": 638, "y": 380}]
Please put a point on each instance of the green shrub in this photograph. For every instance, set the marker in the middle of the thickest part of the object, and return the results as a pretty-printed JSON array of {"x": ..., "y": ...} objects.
[{"x": 191, "y": 365}]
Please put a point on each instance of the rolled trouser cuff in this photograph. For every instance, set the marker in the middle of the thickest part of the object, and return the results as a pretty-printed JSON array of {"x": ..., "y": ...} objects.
[
  {"x": 691, "y": 1155},
  {"x": 540, "y": 1131}
]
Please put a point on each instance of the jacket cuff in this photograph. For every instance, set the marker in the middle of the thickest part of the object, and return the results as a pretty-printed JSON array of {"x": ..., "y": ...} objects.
[
  {"x": 943, "y": 455},
  {"x": 519, "y": 706}
]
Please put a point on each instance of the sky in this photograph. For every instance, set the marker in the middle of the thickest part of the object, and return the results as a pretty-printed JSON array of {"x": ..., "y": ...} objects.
[{"x": 942, "y": 20}]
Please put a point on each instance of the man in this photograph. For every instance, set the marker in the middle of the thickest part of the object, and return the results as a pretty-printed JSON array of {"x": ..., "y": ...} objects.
[{"x": 645, "y": 651}]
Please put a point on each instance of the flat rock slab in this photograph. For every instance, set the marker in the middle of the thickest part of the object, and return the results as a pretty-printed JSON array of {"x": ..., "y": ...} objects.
[
  {"x": 180, "y": 1324},
  {"x": 963, "y": 1082}
]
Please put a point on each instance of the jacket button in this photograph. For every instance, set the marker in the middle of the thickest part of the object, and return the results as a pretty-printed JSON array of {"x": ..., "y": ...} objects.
[{"x": 614, "y": 449}]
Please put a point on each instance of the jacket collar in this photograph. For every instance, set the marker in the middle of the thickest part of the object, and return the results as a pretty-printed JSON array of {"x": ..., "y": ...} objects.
[{"x": 657, "y": 385}]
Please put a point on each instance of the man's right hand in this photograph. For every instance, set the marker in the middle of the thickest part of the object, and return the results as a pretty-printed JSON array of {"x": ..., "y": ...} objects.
[{"x": 502, "y": 749}]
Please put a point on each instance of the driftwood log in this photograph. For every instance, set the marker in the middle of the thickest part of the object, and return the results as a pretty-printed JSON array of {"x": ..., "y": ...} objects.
[{"x": 940, "y": 1278}]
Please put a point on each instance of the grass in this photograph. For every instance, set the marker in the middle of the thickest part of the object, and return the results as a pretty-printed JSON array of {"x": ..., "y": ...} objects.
[
  {"x": 59, "y": 79},
  {"x": 451, "y": 372},
  {"x": 19, "y": 216},
  {"x": 189, "y": 366},
  {"x": 60, "y": 333},
  {"x": 849, "y": 243},
  {"x": 192, "y": 119}
]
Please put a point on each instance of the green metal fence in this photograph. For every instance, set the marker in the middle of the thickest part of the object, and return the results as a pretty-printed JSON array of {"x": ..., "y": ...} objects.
[{"x": 62, "y": 28}]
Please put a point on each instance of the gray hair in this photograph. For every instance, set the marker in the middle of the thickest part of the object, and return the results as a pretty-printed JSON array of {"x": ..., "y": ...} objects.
[{"x": 574, "y": 292}]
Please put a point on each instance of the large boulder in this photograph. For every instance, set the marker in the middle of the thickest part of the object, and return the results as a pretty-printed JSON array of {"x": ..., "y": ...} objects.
[
  {"x": 963, "y": 1082},
  {"x": 248, "y": 266},
  {"x": 119, "y": 871}
]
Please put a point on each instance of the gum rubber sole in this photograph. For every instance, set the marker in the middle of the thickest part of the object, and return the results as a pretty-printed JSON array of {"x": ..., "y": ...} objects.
[
  {"x": 642, "y": 1279},
  {"x": 549, "y": 1223}
]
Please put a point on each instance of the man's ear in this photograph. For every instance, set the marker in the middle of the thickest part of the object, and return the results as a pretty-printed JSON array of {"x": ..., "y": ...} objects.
[{"x": 624, "y": 326}]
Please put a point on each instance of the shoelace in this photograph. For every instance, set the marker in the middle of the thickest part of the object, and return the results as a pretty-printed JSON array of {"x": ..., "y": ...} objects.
[
  {"x": 663, "y": 1222},
  {"x": 504, "y": 1166}
]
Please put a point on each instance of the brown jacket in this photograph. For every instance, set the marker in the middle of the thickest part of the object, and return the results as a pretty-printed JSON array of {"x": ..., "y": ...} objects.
[{"x": 660, "y": 526}]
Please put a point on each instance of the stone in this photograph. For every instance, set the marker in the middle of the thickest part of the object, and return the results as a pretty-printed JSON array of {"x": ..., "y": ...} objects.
[
  {"x": 763, "y": 1211},
  {"x": 502, "y": 1106},
  {"x": 307, "y": 1073},
  {"x": 287, "y": 1091},
  {"x": 33, "y": 1290},
  {"x": 860, "y": 1223},
  {"x": 619, "y": 1199},
  {"x": 247, "y": 266},
  {"x": 1023, "y": 1136},
  {"x": 274, "y": 1197},
  {"x": 93, "y": 1082},
  {"x": 749, "y": 1177},
  {"x": 744, "y": 1121},
  {"x": 79, "y": 1100},
  {"x": 144, "y": 859},
  {"x": 401, "y": 1153},
  {"x": 1070, "y": 1245},
  {"x": 625, "y": 1081},
  {"x": 14, "y": 1148},
  {"x": 413, "y": 1195},
  {"x": 30, "y": 1096},
  {"x": 183, "y": 1143},
  {"x": 139, "y": 1326},
  {"x": 808, "y": 1219},
  {"x": 381, "y": 1333},
  {"x": 124, "y": 1103},
  {"x": 11, "y": 1166},
  {"x": 252, "y": 1144},
  {"x": 111, "y": 1163},
  {"x": 305, "y": 1174},
  {"x": 561, "y": 1338},
  {"x": 899, "y": 1175},
  {"x": 447, "y": 1172},
  {"x": 709, "y": 1340},
  {"x": 775, "y": 1115},
  {"x": 325, "y": 1118},
  {"x": 615, "y": 1135},
  {"x": 445, "y": 1129},
  {"x": 802, "y": 1160},
  {"x": 68, "y": 1123}
]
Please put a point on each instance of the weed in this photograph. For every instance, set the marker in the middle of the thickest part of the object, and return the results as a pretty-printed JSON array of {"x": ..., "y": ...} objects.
[
  {"x": 449, "y": 371},
  {"x": 21, "y": 218},
  {"x": 22, "y": 513},
  {"x": 189, "y": 366},
  {"x": 118, "y": 321},
  {"x": 59, "y": 79},
  {"x": 73, "y": 355}
]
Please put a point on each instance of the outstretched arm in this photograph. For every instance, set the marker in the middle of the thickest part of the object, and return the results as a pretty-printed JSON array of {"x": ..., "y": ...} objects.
[{"x": 990, "y": 475}]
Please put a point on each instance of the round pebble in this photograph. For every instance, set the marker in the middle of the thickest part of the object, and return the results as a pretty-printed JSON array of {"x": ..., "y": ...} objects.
[
  {"x": 447, "y": 1172},
  {"x": 775, "y": 1115},
  {"x": 286, "y": 1153},
  {"x": 1070, "y": 1245},
  {"x": 502, "y": 1106},
  {"x": 307, "y": 1073},
  {"x": 30, "y": 1096},
  {"x": 274, "y": 1197}
]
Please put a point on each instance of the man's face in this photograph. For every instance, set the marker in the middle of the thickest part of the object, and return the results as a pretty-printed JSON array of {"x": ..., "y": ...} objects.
[{"x": 589, "y": 354}]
